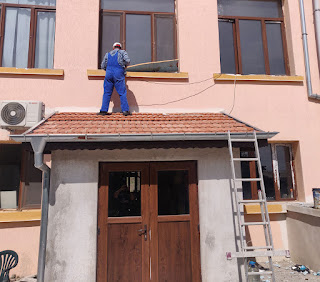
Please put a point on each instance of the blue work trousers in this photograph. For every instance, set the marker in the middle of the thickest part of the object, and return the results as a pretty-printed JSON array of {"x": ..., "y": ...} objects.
[{"x": 115, "y": 77}]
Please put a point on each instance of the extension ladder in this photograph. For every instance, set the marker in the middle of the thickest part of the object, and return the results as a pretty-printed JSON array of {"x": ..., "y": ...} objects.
[{"x": 245, "y": 250}]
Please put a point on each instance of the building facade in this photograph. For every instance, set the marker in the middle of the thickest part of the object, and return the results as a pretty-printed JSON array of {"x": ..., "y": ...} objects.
[{"x": 245, "y": 58}]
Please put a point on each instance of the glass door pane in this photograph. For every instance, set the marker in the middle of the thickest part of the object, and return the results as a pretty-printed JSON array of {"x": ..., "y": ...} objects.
[
  {"x": 173, "y": 192},
  {"x": 16, "y": 37},
  {"x": 124, "y": 194}
]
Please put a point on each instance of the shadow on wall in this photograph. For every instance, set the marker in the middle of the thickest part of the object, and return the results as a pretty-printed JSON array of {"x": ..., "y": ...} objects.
[{"x": 115, "y": 99}]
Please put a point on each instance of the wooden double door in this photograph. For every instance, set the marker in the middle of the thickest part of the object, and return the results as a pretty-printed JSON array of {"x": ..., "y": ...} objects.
[{"x": 148, "y": 222}]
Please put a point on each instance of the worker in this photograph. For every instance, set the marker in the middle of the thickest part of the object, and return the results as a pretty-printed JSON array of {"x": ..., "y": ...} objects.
[{"x": 115, "y": 64}]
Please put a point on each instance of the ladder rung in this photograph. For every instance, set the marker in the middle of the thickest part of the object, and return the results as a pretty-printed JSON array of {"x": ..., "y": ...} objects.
[
  {"x": 260, "y": 273},
  {"x": 257, "y": 248},
  {"x": 242, "y": 140},
  {"x": 248, "y": 179},
  {"x": 254, "y": 223},
  {"x": 251, "y": 201},
  {"x": 246, "y": 159},
  {"x": 250, "y": 254}
]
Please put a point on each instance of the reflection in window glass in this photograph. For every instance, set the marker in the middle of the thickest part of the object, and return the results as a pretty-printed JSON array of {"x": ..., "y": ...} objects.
[
  {"x": 251, "y": 47},
  {"x": 227, "y": 54},
  {"x": 124, "y": 194},
  {"x": 275, "y": 48},
  {"x": 16, "y": 37},
  {"x": 31, "y": 2},
  {"x": 138, "y": 38},
  {"x": 173, "y": 192},
  {"x": 252, "y": 8},
  {"x": 285, "y": 175},
  {"x": 139, "y": 5}
]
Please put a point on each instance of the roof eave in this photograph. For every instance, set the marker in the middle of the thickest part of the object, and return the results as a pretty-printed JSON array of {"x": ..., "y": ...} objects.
[{"x": 139, "y": 137}]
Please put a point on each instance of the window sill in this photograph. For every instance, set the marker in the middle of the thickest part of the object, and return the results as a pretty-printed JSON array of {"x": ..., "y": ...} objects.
[
  {"x": 272, "y": 208},
  {"x": 33, "y": 72},
  {"x": 256, "y": 77},
  {"x": 7, "y": 216},
  {"x": 100, "y": 74}
]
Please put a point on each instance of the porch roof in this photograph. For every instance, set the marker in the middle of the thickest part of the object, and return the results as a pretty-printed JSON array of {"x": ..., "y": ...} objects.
[{"x": 76, "y": 126}]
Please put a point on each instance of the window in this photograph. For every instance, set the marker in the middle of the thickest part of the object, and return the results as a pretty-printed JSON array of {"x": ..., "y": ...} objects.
[
  {"x": 146, "y": 29},
  {"x": 27, "y": 32},
  {"x": 20, "y": 181},
  {"x": 252, "y": 37},
  {"x": 277, "y": 169}
]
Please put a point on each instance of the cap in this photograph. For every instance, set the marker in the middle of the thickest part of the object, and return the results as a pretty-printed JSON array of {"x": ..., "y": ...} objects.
[{"x": 117, "y": 44}]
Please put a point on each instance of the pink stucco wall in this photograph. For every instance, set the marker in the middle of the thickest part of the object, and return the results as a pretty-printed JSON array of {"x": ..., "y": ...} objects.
[
  {"x": 282, "y": 107},
  {"x": 23, "y": 238}
]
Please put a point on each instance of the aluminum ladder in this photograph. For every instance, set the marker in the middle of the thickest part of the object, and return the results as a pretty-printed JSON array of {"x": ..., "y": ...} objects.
[{"x": 245, "y": 250}]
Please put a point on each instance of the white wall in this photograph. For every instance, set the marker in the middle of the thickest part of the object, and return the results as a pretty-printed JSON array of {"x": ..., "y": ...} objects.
[{"x": 71, "y": 249}]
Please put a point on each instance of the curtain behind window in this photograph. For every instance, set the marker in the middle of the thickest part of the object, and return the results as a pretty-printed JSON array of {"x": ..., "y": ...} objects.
[
  {"x": 45, "y": 40},
  {"x": 16, "y": 37}
]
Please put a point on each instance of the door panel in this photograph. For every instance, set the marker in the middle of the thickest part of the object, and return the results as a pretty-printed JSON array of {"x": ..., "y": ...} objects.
[
  {"x": 125, "y": 253},
  {"x": 148, "y": 222}
]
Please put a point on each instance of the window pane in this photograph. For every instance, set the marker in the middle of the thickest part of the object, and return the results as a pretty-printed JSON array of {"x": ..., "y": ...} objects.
[
  {"x": 16, "y": 38},
  {"x": 139, "y": 5},
  {"x": 9, "y": 185},
  {"x": 31, "y": 2},
  {"x": 124, "y": 194},
  {"x": 285, "y": 173},
  {"x": 173, "y": 192},
  {"x": 267, "y": 170},
  {"x": 275, "y": 48},
  {"x": 252, "y": 54},
  {"x": 245, "y": 173},
  {"x": 111, "y": 25},
  {"x": 33, "y": 184},
  {"x": 45, "y": 40},
  {"x": 165, "y": 38},
  {"x": 227, "y": 55},
  {"x": 250, "y": 8},
  {"x": 138, "y": 38}
]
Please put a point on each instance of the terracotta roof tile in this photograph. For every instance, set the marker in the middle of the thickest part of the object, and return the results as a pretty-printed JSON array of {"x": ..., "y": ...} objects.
[{"x": 140, "y": 123}]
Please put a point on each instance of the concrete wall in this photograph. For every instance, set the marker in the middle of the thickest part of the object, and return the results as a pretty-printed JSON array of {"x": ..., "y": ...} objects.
[
  {"x": 303, "y": 225},
  {"x": 71, "y": 249}
]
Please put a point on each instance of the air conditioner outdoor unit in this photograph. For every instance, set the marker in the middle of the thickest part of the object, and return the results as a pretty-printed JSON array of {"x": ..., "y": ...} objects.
[{"x": 14, "y": 114}]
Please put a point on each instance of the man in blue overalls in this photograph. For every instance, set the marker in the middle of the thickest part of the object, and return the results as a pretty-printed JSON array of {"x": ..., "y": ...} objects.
[{"x": 115, "y": 63}]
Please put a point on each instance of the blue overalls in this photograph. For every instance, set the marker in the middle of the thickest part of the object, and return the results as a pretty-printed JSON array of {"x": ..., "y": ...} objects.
[{"x": 115, "y": 77}]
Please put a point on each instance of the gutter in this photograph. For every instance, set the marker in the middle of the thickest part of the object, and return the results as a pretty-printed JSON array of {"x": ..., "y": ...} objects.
[
  {"x": 139, "y": 137},
  {"x": 306, "y": 50},
  {"x": 38, "y": 145}
]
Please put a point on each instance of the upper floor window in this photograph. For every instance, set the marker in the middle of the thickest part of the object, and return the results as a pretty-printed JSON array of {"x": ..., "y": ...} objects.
[
  {"x": 146, "y": 29},
  {"x": 252, "y": 37},
  {"x": 27, "y": 32}
]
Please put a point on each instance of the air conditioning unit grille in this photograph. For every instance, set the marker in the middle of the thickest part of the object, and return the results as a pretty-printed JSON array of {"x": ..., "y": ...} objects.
[{"x": 13, "y": 113}]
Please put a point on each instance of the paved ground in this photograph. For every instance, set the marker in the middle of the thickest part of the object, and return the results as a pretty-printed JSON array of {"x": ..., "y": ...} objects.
[{"x": 284, "y": 273}]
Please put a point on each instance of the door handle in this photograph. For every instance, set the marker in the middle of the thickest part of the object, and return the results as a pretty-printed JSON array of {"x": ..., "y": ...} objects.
[{"x": 143, "y": 232}]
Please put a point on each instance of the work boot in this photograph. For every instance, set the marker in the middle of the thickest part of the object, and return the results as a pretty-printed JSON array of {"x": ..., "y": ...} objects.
[
  {"x": 103, "y": 113},
  {"x": 126, "y": 113}
]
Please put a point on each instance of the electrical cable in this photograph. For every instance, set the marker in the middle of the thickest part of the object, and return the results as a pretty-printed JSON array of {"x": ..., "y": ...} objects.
[
  {"x": 181, "y": 99},
  {"x": 181, "y": 83},
  {"x": 234, "y": 94}
]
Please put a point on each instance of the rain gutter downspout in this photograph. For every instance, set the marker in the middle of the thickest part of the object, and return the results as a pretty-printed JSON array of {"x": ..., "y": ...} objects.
[
  {"x": 306, "y": 51},
  {"x": 316, "y": 12},
  {"x": 38, "y": 145}
]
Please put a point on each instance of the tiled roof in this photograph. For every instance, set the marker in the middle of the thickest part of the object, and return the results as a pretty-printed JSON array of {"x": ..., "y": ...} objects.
[{"x": 139, "y": 123}]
